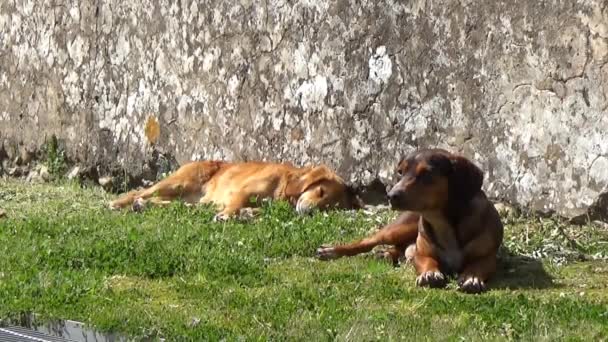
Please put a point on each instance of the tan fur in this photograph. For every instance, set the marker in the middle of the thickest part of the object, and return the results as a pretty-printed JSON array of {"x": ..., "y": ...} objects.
[{"x": 232, "y": 186}]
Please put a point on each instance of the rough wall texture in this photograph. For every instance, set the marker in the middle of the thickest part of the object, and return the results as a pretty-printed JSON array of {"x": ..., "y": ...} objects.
[{"x": 519, "y": 86}]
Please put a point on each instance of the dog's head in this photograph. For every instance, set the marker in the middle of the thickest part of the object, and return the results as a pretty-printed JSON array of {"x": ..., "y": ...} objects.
[
  {"x": 321, "y": 188},
  {"x": 428, "y": 179}
]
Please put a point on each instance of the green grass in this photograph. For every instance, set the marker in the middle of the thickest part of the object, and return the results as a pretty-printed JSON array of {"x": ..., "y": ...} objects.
[
  {"x": 173, "y": 273},
  {"x": 55, "y": 157}
]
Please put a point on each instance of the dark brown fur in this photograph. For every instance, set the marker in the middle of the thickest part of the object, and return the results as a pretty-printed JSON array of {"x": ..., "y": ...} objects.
[{"x": 448, "y": 226}]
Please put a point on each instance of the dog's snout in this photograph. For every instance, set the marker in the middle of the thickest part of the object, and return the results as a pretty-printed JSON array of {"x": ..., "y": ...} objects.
[
  {"x": 395, "y": 191},
  {"x": 396, "y": 197},
  {"x": 392, "y": 194}
]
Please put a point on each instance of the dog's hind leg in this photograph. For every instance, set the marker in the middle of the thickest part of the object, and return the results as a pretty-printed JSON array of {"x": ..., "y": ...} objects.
[
  {"x": 397, "y": 234},
  {"x": 187, "y": 183},
  {"x": 125, "y": 200},
  {"x": 167, "y": 189},
  {"x": 164, "y": 192}
]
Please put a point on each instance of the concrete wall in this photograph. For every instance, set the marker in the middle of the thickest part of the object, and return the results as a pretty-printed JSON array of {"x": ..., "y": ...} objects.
[{"x": 519, "y": 86}]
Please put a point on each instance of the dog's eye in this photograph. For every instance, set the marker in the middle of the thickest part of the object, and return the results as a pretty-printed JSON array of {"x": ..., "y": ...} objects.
[
  {"x": 399, "y": 172},
  {"x": 321, "y": 192}
]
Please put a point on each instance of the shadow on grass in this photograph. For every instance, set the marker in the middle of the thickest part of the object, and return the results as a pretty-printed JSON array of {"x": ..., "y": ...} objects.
[
  {"x": 520, "y": 272},
  {"x": 513, "y": 271}
]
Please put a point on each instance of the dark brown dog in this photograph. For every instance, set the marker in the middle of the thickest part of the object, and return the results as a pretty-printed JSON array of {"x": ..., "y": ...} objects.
[{"x": 448, "y": 227}]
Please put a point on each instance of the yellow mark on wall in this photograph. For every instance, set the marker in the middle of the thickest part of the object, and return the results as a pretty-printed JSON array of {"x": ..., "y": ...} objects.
[{"x": 152, "y": 130}]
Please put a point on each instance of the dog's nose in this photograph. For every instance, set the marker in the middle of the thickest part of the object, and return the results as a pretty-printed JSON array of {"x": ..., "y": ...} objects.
[
  {"x": 392, "y": 195},
  {"x": 396, "y": 198}
]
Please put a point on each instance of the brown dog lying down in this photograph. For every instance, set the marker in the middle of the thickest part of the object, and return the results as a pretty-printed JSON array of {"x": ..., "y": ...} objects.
[
  {"x": 231, "y": 186},
  {"x": 448, "y": 225}
]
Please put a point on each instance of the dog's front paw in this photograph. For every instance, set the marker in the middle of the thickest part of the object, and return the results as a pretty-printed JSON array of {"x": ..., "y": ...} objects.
[
  {"x": 432, "y": 279},
  {"x": 248, "y": 213},
  {"x": 138, "y": 205},
  {"x": 326, "y": 253},
  {"x": 469, "y": 284},
  {"x": 221, "y": 217}
]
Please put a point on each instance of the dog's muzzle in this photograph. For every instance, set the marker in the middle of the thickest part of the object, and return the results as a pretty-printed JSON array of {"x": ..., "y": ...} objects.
[
  {"x": 397, "y": 200},
  {"x": 302, "y": 207}
]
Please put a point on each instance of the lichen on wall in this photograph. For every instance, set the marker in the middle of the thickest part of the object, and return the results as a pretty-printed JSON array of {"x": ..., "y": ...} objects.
[{"x": 521, "y": 87}]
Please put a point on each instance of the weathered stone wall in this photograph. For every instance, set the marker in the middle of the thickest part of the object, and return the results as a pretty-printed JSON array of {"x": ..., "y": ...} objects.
[{"x": 519, "y": 86}]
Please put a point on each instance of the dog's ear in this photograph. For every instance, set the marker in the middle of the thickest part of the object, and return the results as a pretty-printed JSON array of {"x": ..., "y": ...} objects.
[
  {"x": 295, "y": 186},
  {"x": 466, "y": 178},
  {"x": 299, "y": 182}
]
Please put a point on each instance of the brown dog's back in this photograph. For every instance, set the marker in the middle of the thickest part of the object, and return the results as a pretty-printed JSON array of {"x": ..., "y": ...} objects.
[{"x": 186, "y": 183}]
